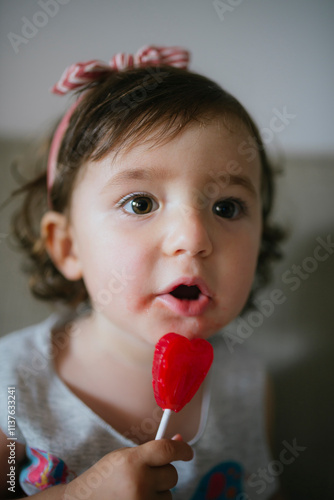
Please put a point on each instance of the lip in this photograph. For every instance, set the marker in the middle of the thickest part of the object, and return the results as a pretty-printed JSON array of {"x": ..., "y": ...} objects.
[{"x": 184, "y": 307}]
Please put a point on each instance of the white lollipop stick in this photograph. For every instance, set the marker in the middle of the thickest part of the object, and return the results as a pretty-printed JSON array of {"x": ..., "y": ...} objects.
[{"x": 163, "y": 423}]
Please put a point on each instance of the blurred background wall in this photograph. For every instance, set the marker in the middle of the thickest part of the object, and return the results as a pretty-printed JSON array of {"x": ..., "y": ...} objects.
[{"x": 276, "y": 57}]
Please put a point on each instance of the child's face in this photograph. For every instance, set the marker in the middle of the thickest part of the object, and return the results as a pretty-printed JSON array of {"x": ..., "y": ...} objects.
[{"x": 187, "y": 212}]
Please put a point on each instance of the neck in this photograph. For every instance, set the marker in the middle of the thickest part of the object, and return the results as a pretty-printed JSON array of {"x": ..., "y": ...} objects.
[{"x": 126, "y": 349}]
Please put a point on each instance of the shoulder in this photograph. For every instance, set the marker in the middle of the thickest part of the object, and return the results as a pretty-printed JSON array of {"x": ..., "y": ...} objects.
[
  {"x": 17, "y": 346},
  {"x": 24, "y": 355},
  {"x": 7, "y": 462}
]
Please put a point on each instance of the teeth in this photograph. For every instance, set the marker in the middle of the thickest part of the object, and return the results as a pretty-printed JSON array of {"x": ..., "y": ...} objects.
[{"x": 185, "y": 292}]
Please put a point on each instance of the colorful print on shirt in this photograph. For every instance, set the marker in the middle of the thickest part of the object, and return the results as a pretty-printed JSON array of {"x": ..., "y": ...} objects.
[
  {"x": 223, "y": 482},
  {"x": 44, "y": 470}
]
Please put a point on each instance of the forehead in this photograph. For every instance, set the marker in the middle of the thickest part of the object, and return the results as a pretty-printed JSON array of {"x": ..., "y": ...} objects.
[
  {"x": 201, "y": 153},
  {"x": 215, "y": 141}
]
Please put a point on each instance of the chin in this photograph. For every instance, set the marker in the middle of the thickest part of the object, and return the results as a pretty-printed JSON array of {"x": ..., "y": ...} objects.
[{"x": 193, "y": 328}]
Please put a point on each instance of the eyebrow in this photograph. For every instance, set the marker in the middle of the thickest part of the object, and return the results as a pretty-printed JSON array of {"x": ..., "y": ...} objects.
[
  {"x": 148, "y": 173},
  {"x": 239, "y": 180}
]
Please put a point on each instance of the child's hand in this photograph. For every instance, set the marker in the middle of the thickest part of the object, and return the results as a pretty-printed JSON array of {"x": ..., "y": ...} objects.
[{"x": 140, "y": 473}]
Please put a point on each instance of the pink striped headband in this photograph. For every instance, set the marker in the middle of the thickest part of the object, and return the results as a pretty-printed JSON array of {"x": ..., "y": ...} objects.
[{"x": 80, "y": 74}]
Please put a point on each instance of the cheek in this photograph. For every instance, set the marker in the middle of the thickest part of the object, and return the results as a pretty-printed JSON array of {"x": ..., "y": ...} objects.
[
  {"x": 242, "y": 267},
  {"x": 116, "y": 270},
  {"x": 248, "y": 255}
]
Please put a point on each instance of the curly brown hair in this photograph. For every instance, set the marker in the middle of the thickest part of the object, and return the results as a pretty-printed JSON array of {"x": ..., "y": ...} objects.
[{"x": 113, "y": 114}]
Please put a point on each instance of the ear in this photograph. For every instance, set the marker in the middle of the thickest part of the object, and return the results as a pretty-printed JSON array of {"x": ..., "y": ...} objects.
[{"x": 60, "y": 245}]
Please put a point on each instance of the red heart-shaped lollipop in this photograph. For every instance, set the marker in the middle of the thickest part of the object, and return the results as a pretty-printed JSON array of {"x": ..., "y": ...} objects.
[{"x": 179, "y": 367}]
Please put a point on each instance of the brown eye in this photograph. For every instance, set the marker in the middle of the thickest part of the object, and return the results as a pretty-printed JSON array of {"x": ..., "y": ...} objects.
[
  {"x": 229, "y": 209},
  {"x": 141, "y": 205}
]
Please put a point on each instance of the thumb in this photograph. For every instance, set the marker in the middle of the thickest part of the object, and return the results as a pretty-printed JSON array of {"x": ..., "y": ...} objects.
[{"x": 163, "y": 451}]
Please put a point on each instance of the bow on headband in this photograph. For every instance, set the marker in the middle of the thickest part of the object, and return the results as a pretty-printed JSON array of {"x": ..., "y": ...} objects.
[
  {"x": 78, "y": 75},
  {"x": 82, "y": 73}
]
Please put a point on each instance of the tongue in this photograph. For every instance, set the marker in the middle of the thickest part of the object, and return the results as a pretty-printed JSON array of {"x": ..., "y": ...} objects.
[{"x": 185, "y": 292}]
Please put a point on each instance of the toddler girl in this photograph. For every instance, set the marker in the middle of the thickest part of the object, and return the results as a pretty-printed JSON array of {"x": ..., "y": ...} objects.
[{"x": 153, "y": 207}]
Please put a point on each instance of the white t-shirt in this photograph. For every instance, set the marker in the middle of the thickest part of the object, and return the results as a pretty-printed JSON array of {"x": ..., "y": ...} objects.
[{"x": 64, "y": 437}]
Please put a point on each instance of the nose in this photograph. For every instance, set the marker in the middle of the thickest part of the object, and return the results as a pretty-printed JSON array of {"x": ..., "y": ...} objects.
[{"x": 188, "y": 233}]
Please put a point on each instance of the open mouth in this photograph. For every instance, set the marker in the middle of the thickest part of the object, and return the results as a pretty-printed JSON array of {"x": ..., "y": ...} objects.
[
  {"x": 184, "y": 292},
  {"x": 185, "y": 297}
]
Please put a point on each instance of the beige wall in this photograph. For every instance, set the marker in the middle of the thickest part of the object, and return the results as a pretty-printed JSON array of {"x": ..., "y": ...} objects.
[{"x": 296, "y": 339}]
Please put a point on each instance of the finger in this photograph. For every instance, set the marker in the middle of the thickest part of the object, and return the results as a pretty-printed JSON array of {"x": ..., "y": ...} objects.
[
  {"x": 164, "y": 451},
  {"x": 165, "y": 477}
]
